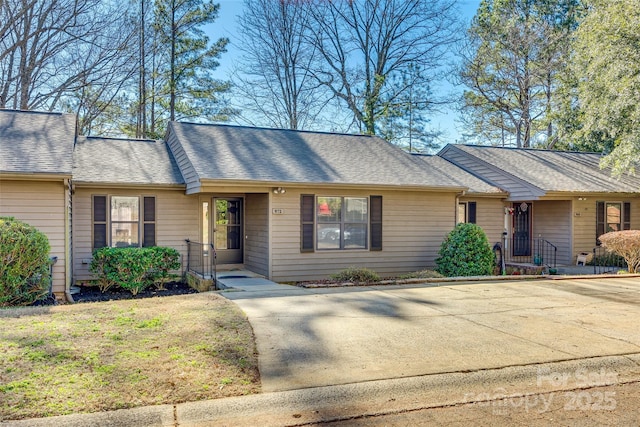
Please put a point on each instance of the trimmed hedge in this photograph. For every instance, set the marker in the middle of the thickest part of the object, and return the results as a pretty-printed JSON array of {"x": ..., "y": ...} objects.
[
  {"x": 133, "y": 269},
  {"x": 24, "y": 263},
  {"x": 465, "y": 252}
]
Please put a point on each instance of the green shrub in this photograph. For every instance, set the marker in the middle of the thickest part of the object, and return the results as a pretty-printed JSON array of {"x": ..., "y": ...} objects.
[
  {"x": 465, "y": 252},
  {"x": 133, "y": 269},
  {"x": 356, "y": 275},
  {"x": 164, "y": 260},
  {"x": 24, "y": 263}
]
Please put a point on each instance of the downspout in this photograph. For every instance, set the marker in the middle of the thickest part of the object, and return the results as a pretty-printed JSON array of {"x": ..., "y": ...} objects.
[{"x": 67, "y": 241}]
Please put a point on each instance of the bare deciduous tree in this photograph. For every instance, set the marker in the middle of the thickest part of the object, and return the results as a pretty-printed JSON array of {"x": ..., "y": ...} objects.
[
  {"x": 362, "y": 45},
  {"x": 272, "y": 81},
  {"x": 51, "y": 50}
]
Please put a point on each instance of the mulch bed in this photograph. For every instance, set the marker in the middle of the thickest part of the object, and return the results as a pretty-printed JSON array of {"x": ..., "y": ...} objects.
[{"x": 93, "y": 294}]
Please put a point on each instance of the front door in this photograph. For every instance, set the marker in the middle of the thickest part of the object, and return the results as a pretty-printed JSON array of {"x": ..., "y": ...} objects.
[
  {"x": 522, "y": 229},
  {"x": 228, "y": 230}
]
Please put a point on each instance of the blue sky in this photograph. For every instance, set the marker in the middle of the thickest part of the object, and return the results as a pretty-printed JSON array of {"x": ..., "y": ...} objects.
[{"x": 226, "y": 26}]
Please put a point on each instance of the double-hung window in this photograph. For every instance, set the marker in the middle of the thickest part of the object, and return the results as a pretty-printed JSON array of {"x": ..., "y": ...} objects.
[
  {"x": 612, "y": 216},
  {"x": 123, "y": 221},
  {"x": 341, "y": 223},
  {"x": 467, "y": 212}
]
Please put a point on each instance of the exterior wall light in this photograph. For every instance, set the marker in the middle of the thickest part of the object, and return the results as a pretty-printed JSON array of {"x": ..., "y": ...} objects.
[{"x": 279, "y": 190}]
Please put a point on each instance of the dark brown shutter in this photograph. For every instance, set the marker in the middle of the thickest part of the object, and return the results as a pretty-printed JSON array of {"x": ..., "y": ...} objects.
[
  {"x": 600, "y": 219},
  {"x": 626, "y": 212},
  {"x": 149, "y": 226},
  {"x": 149, "y": 209},
  {"x": 376, "y": 222},
  {"x": 149, "y": 235},
  {"x": 99, "y": 222},
  {"x": 307, "y": 214},
  {"x": 471, "y": 212}
]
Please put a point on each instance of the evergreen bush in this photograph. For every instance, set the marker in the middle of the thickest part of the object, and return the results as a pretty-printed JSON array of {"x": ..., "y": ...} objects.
[
  {"x": 465, "y": 252},
  {"x": 133, "y": 269},
  {"x": 24, "y": 263}
]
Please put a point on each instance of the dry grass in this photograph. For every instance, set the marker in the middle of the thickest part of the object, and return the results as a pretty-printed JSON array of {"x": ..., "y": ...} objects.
[{"x": 122, "y": 354}]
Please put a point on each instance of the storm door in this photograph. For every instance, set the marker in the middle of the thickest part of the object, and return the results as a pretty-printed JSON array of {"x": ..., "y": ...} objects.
[
  {"x": 522, "y": 229},
  {"x": 228, "y": 230}
]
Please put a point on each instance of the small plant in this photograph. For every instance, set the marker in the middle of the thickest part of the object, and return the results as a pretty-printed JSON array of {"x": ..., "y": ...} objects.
[
  {"x": 423, "y": 274},
  {"x": 625, "y": 244},
  {"x": 465, "y": 252},
  {"x": 24, "y": 263},
  {"x": 356, "y": 275}
]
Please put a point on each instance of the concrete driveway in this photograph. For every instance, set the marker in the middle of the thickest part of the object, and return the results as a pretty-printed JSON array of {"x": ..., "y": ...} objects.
[{"x": 318, "y": 337}]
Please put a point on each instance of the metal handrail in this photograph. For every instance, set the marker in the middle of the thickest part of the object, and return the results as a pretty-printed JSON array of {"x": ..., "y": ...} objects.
[
  {"x": 202, "y": 260},
  {"x": 546, "y": 253}
]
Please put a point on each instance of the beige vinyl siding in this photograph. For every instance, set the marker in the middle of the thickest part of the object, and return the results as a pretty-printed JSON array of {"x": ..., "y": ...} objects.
[
  {"x": 584, "y": 226},
  {"x": 414, "y": 226},
  {"x": 256, "y": 248},
  {"x": 635, "y": 213},
  {"x": 177, "y": 219},
  {"x": 552, "y": 222},
  {"x": 42, "y": 205},
  {"x": 584, "y": 219},
  {"x": 489, "y": 216}
]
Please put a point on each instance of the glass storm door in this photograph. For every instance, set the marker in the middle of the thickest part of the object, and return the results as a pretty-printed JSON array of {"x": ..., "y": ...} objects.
[
  {"x": 522, "y": 229},
  {"x": 228, "y": 230}
]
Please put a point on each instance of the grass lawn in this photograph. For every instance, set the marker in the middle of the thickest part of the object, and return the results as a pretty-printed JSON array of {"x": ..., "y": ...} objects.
[{"x": 120, "y": 354}]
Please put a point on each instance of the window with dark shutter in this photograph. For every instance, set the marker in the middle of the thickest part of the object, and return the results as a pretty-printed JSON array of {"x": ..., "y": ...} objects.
[
  {"x": 600, "y": 220},
  {"x": 471, "y": 212},
  {"x": 307, "y": 214},
  {"x": 149, "y": 217},
  {"x": 626, "y": 219},
  {"x": 99, "y": 221},
  {"x": 376, "y": 222}
]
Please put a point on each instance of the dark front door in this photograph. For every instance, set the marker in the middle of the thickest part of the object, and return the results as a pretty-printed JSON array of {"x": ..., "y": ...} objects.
[
  {"x": 228, "y": 230},
  {"x": 521, "y": 229}
]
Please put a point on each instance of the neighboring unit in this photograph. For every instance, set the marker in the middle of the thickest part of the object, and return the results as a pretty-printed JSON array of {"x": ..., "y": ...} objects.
[
  {"x": 562, "y": 197},
  {"x": 36, "y": 155}
]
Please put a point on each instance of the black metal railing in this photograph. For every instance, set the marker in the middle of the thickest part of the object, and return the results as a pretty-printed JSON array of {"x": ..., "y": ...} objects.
[
  {"x": 201, "y": 259},
  {"x": 546, "y": 253},
  {"x": 606, "y": 262},
  {"x": 539, "y": 252}
]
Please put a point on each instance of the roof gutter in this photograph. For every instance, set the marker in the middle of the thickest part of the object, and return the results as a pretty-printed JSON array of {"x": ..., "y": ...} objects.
[
  {"x": 358, "y": 186},
  {"x": 35, "y": 176}
]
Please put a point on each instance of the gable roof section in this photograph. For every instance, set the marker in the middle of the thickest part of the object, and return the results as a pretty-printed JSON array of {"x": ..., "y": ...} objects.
[
  {"x": 237, "y": 154},
  {"x": 36, "y": 143},
  {"x": 124, "y": 161},
  {"x": 528, "y": 174},
  {"x": 459, "y": 177}
]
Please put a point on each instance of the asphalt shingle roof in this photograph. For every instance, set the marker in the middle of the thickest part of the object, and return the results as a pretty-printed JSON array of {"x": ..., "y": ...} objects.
[
  {"x": 223, "y": 152},
  {"x": 554, "y": 171},
  {"x": 124, "y": 161},
  {"x": 458, "y": 176},
  {"x": 36, "y": 143}
]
